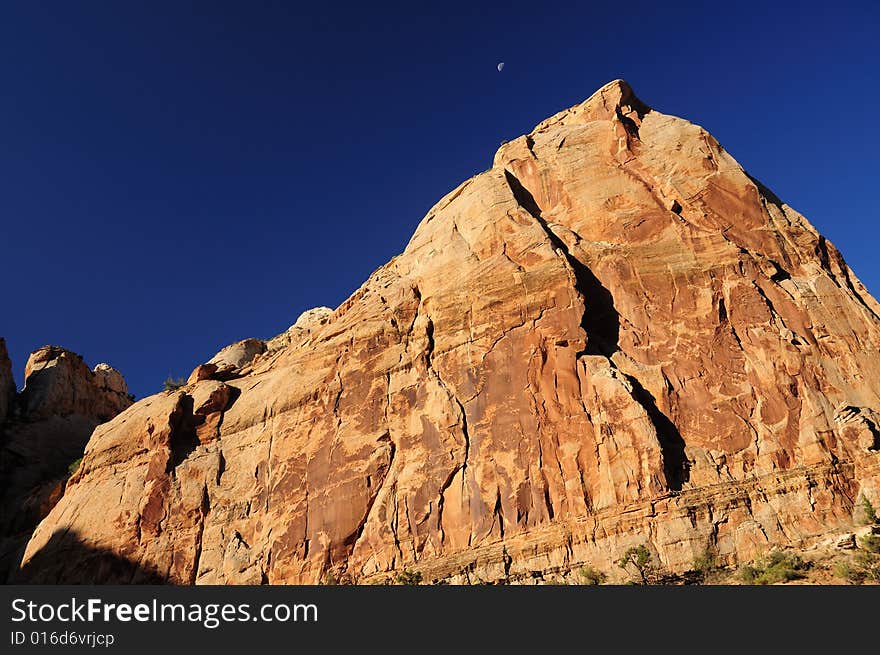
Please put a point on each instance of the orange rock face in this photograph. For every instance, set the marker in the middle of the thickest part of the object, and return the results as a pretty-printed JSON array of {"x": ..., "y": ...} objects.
[{"x": 614, "y": 336}]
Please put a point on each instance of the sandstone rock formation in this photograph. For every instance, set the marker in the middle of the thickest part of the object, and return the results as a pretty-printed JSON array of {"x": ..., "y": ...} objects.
[
  {"x": 58, "y": 383},
  {"x": 56, "y": 412},
  {"x": 614, "y": 336},
  {"x": 233, "y": 360},
  {"x": 308, "y": 323}
]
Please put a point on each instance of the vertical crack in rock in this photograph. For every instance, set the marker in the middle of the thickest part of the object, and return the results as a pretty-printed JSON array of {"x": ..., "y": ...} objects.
[
  {"x": 182, "y": 440},
  {"x": 545, "y": 485},
  {"x": 221, "y": 467},
  {"x": 371, "y": 502},
  {"x": 498, "y": 512},
  {"x": 429, "y": 353},
  {"x": 267, "y": 477},
  {"x": 600, "y": 321},
  {"x": 676, "y": 466},
  {"x": 204, "y": 509},
  {"x": 306, "y": 541},
  {"x": 446, "y": 484},
  {"x": 601, "y": 325},
  {"x": 825, "y": 258}
]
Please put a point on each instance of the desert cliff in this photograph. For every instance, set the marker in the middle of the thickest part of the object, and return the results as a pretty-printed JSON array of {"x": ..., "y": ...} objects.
[{"x": 614, "y": 336}]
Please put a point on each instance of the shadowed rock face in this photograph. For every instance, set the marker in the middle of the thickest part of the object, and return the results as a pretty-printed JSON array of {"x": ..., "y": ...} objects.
[
  {"x": 43, "y": 432},
  {"x": 7, "y": 383},
  {"x": 613, "y": 336}
]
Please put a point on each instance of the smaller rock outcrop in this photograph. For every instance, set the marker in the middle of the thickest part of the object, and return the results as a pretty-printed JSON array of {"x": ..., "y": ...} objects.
[
  {"x": 238, "y": 359},
  {"x": 233, "y": 360},
  {"x": 42, "y": 440},
  {"x": 309, "y": 322},
  {"x": 58, "y": 383}
]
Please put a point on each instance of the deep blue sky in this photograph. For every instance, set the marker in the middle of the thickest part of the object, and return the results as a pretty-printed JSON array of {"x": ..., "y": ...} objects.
[{"x": 177, "y": 176}]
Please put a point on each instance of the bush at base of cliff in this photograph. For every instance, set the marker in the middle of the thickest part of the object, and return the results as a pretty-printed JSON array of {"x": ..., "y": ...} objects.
[
  {"x": 410, "y": 578},
  {"x": 777, "y": 567},
  {"x": 590, "y": 576},
  {"x": 331, "y": 579},
  {"x": 861, "y": 568},
  {"x": 639, "y": 561},
  {"x": 864, "y": 566},
  {"x": 706, "y": 569}
]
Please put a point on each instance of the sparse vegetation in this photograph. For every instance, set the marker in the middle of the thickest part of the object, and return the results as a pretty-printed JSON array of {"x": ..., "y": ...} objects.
[
  {"x": 870, "y": 543},
  {"x": 590, "y": 576},
  {"x": 705, "y": 562},
  {"x": 332, "y": 579},
  {"x": 777, "y": 567},
  {"x": 862, "y": 567},
  {"x": 130, "y": 396},
  {"x": 409, "y": 578},
  {"x": 868, "y": 515},
  {"x": 74, "y": 465},
  {"x": 638, "y": 560},
  {"x": 173, "y": 384},
  {"x": 706, "y": 566},
  {"x": 844, "y": 569}
]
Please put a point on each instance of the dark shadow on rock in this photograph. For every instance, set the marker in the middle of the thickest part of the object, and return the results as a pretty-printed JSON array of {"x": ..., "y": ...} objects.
[
  {"x": 601, "y": 321},
  {"x": 183, "y": 439},
  {"x": 676, "y": 466},
  {"x": 65, "y": 559},
  {"x": 234, "y": 394},
  {"x": 36, "y": 459}
]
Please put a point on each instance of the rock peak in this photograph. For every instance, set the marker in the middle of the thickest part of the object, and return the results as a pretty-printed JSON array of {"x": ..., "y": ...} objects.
[
  {"x": 614, "y": 102},
  {"x": 58, "y": 383},
  {"x": 612, "y": 99},
  {"x": 614, "y": 338},
  {"x": 618, "y": 87}
]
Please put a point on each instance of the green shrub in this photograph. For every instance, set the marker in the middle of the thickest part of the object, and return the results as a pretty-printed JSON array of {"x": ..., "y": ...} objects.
[
  {"x": 591, "y": 576},
  {"x": 870, "y": 564},
  {"x": 410, "y": 578},
  {"x": 331, "y": 579},
  {"x": 867, "y": 511},
  {"x": 777, "y": 567},
  {"x": 705, "y": 564},
  {"x": 852, "y": 574},
  {"x": 863, "y": 566},
  {"x": 74, "y": 465},
  {"x": 870, "y": 543},
  {"x": 638, "y": 559},
  {"x": 173, "y": 384}
]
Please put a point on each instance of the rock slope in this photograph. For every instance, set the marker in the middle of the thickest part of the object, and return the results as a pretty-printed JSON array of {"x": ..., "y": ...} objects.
[{"x": 614, "y": 336}]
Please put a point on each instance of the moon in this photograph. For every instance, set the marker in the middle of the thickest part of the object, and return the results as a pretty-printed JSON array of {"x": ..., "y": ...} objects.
[{"x": 500, "y": 66}]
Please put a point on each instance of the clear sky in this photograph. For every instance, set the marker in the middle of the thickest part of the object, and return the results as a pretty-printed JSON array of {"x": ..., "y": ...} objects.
[{"x": 175, "y": 176}]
